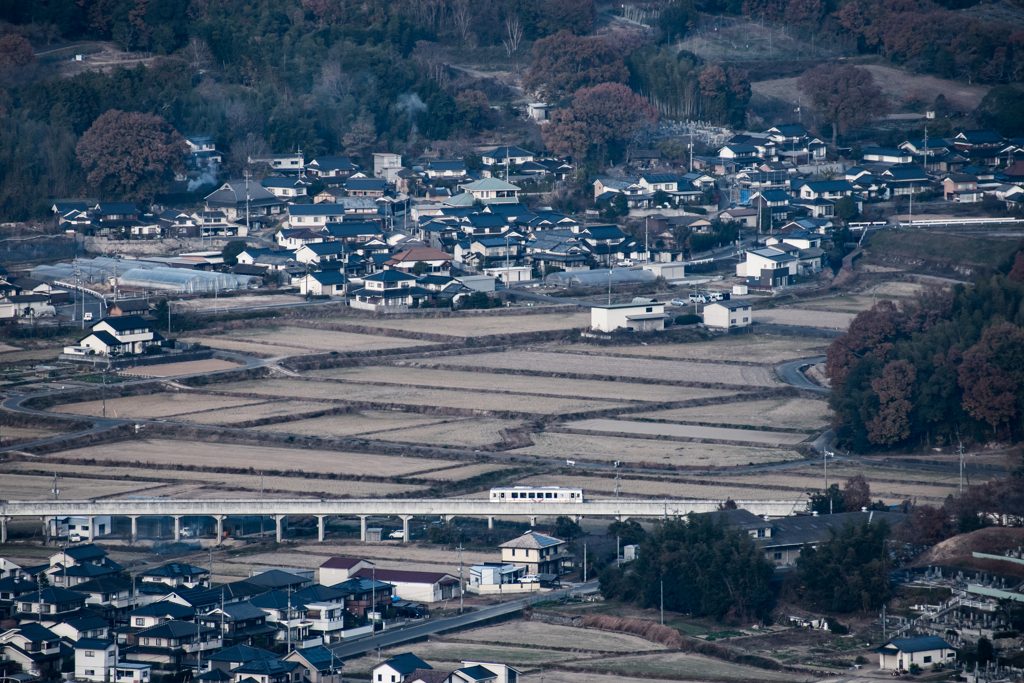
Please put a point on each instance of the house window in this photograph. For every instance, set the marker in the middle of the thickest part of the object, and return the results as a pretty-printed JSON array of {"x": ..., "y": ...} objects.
[
  {"x": 90, "y": 653},
  {"x": 746, "y": 320},
  {"x": 928, "y": 659},
  {"x": 139, "y": 621},
  {"x": 145, "y": 641},
  {"x": 778, "y": 557},
  {"x": 90, "y": 672}
]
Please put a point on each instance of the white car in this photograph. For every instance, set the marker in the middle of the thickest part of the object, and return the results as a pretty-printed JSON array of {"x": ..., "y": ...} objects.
[
  {"x": 398, "y": 533},
  {"x": 698, "y": 299},
  {"x": 626, "y": 262},
  {"x": 677, "y": 302}
]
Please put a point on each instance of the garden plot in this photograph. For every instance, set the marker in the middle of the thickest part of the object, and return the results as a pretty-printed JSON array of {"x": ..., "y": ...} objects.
[
  {"x": 477, "y": 326},
  {"x": 826, "y": 320},
  {"x": 152, "y": 406},
  {"x": 466, "y": 433},
  {"x": 539, "y": 634},
  {"x": 791, "y": 413},
  {"x": 669, "y": 453},
  {"x": 600, "y": 487},
  {"x": 460, "y": 473},
  {"x": 240, "y": 456},
  {"x": 402, "y": 373},
  {"x": 466, "y": 400},
  {"x": 14, "y": 486},
  {"x": 351, "y": 424},
  {"x": 640, "y": 368},
  {"x": 746, "y": 348},
  {"x": 656, "y": 429},
  {"x": 27, "y": 355},
  {"x": 253, "y": 411},
  {"x": 249, "y": 482},
  {"x": 320, "y": 341},
  {"x": 686, "y": 666}
]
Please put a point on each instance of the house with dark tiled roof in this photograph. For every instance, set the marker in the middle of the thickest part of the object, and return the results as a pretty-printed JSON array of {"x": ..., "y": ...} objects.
[
  {"x": 170, "y": 643},
  {"x": 416, "y": 586},
  {"x": 317, "y": 664},
  {"x": 238, "y": 622},
  {"x": 36, "y": 649},
  {"x": 538, "y": 553},
  {"x": 398, "y": 669},
  {"x": 177, "y": 574},
  {"x": 924, "y": 651}
]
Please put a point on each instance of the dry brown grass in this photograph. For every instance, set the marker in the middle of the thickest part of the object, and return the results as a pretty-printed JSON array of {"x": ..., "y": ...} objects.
[
  {"x": 317, "y": 340},
  {"x": 254, "y": 411},
  {"x": 402, "y": 373},
  {"x": 459, "y": 473},
  {"x": 671, "y": 453},
  {"x": 10, "y": 434},
  {"x": 233, "y": 302},
  {"x": 540, "y": 634},
  {"x": 599, "y": 487},
  {"x": 171, "y": 453},
  {"x": 466, "y": 400},
  {"x": 686, "y": 431},
  {"x": 476, "y": 326},
  {"x": 176, "y": 369},
  {"x": 791, "y": 413},
  {"x": 827, "y": 320},
  {"x": 249, "y": 348},
  {"x": 746, "y": 348},
  {"x": 642, "y": 368},
  {"x": 351, "y": 424},
  {"x": 152, "y": 406},
  {"x": 14, "y": 486},
  {"x": 470, "y": 433}
]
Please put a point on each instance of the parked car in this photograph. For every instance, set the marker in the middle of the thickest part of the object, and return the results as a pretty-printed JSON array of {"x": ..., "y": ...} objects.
[
  {"x": 677, "y": 302},
  {"x": 75, "y": 538},
  {"x": 626, "y": 262},
  {"x": 87, "y": 317},
  {"x": 398, "y": 533},
  {"x": 698, "y": 299},
  {"x": 716, "y": 296}
]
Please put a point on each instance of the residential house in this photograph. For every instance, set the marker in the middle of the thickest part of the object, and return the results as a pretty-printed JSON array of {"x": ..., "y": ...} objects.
[
  {"x": 729, "y": 315},
  {"x": 110, "y": 596},
  {"x": 436, "y": 262},
  {"x": 241, "y": 198},
  {"x": 906, "y": 180},
  {"x": 746, "y": 217},
  {"x": 325, "y": 608},
  {"x": 777, "y": 200},
  {"x": 171, "y": 642},
  {"x": 50, "y": 605},
  {"x": 398, "y": 669},
  {"x": 388, "y": 290},
  {"x": 268, "y": 670},
  {"x": 386, "y": 164},
  {"x": 486, "y": 251},
  {"x": 659, "y": 182},
  {"x": 494, "y": 574},
  {"x": 492, "y": 191},
  {"x": 128, "y": 334},
  {"x": 157, "y": 613},
  {"x": 238, "y": 622},
  {"x": 317, "y": 664},
  {"x": 116, "y": 212},
  {"x": 445, "y": 168},
  {"x": 177, "y": 575},
  {"x": 133, "y": 672},
  {"x": 787, "y": 536},
  {"x": 78, "y": 628},
  {"x": 273, "y": 259},
  {"x": 364, "y": 595},
  {"x": 606, "y": 188},
  {"x": 338, "y": 569},
  {"x": 322, "y": 253},
  {"x": 416, "y": 586},
  {"x": 286, "y": 613},
  {"x": 499, "y": 156},
  {"x": 203, "y": 151},
  {"x": 970, "y": 140},
  {"x": 961, "y": 187},
  {"x": 643, "y": 317},
  {"x": 122, "y": 307},
  {"x": 288, "y": 164},
  {"x": 484, "y": 225},
  {"x": 10, "y": 569},
  {"x": 539, "y": 553},
  {"x": 315, "y": 216},
  {"x": 800, "y": 238},
  {"x": 366, "y": 187},
  {"x": 924, "y": 651},
  {"x": 323, "y": 283},
  {"x": 645, "y": 159},
  {"x": 85, "y": 556},
  {"x": 233, "y": 657},
  {"x": 331, "y": 170},
  {"x": 738, "y": 152},
  {"x": 282, "y": 579},
  {"x": 768, "y": 267},
  {"x": 288, "y": 189},
  {"x": 890, "y": 156},
  {"x": 353, "y": 232},
  {"x": 95, "y": 660},
  {"x": 551, "y": 249},
  {"x": 609, "y": 244},
  {"x": 485, "y": 672},
  {"x": 35, "y": 649}
]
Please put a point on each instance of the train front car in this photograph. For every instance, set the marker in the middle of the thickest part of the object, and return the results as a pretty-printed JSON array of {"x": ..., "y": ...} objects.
[{"x": 536, "y": 494}]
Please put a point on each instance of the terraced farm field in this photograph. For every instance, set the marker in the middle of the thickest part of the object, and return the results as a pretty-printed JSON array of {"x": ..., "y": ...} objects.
[
  {"x": 253, "y": 411},
  {"x": 153, "y": 406},
  {"x": 747, "y": 348},
  {"x": 320, "y": 341},
  {"x": 686, "y": 431},
  {"x": 476, "y": 326},
  {"x": 792, "y": 413}
]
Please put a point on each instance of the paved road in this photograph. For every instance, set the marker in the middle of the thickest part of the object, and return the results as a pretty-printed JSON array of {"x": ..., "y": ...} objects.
[
  {"x": 791, "y": 373},
  {"x": 431, "y": 626}
]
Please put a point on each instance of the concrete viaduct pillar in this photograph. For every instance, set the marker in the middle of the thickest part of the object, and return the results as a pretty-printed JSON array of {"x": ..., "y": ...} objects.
[
  {"x": 135, "y": 528},
  {"x": 490, "y": 522},
  {"x": 3, "y": 529},
  {"x": 177, "y": 528},
  {"x": 621, "y": 518},
  {"x": 220, "y": 527},
  {"x": 320, "y": 528},
  {"x": 405, "y": 527},
  {"x": 577, "y": 518},
  {"x": 46, "y": 529},
  {"x": 280, "y": 521},
  {"x": 362, "y": 528},
  {"x": 92, "y": 529},
  {"x": 533, "y": 521}
]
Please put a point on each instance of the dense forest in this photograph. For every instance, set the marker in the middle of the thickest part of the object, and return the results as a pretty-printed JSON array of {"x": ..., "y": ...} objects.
[
  {"x": 945, "y": 369},
  {"x": 336, "y": 76}
]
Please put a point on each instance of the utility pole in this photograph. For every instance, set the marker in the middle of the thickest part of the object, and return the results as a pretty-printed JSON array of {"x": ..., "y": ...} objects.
[
  {"x": 662, "y": 588},
  {"x": 247, "y": 202},
  {"x": 261, "y": 508},
  {"x": 288, "y": 620},
  {"x": 647, "y": 246},
  {"x": 824, "y": 458},
  {"x": 56, "y": 491},
  {"x": 584, "y": 563},
  {"x": 461, "y": 589},
  {"x": 609, "y": 286},
  {"x": 616, "y": 478},
  {"x": 960, "y": 450},
  {"x": 691, "y": 148}
]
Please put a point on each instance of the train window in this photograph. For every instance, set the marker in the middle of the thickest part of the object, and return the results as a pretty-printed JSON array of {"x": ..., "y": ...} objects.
[
  {"x": 531, "y": 494},
  {"x": 547, "y": 495},
  {"x": 572, "y": 495},
  {"x": 515, "y": 495},
  {"x": 502, "y": 495}
]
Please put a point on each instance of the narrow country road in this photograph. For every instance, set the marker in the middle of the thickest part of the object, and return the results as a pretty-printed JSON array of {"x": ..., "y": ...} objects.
[{"x": 792, "y": 374}]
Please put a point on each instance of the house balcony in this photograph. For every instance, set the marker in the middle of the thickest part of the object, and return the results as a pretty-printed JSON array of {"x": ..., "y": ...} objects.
[{"x": 204, "y": 645}]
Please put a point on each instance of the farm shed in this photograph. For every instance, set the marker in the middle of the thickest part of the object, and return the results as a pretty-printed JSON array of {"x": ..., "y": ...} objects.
[{"x": 635, "y": 317}]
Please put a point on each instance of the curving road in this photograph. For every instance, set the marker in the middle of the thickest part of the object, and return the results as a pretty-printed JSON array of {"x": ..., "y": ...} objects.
[{"x": 792, "y": 374}]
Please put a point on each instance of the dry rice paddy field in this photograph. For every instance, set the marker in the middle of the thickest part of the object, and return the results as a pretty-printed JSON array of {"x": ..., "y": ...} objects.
[
  {"x": 402, "y": 373},
  {"x": 317, "y": 341},
  {"x": 351, "y": 424},
  {"x": 170, "y": 453},
  {"x": 827, "y": 320},
  {"x": 791, "y": 413},
  {"x": 656, "y": 429},
  {"x": 539, "y": 634},
  {"x": 672, "y": 453},
  {"x": 249, "y": 348},
  {"x": 251, "y": 411},
  {"x": 681, "y": 664},
  {"x": 673, "y": 490},
  {"x": 153, "y": 406},
  {"x": 747, "y": 348},
  {"x": 249, "y": 482},
  {"x": 464, "y": 433},
  {"x": 476, "y": 326},
  {"x": 642, "y": 368},
  {"x": 178, "y": 369},
  {"x": 407, "y": 427},
  {"x": 34, "y": 487},
  {"x": 11, "y": 434},
  {"x": 466, "y": 400}
]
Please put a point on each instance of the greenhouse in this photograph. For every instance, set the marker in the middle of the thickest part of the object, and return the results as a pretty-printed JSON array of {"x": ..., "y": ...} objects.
[
  {"x": 597, "y": 278},
  {"x": 188, "y": 281},
  {"x": 93, "y": 271}
]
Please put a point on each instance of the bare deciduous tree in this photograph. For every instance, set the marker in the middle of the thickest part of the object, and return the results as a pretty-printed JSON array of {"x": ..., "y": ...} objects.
[
  {"x": 124, "y": 36},
  {"x": 197, "y": 54},
  {"x": 246, "y": 150},
  {"x": 462, "y": 17},
  {"x": 513, "y": 34},
  {"x": 334, "y": 83}
]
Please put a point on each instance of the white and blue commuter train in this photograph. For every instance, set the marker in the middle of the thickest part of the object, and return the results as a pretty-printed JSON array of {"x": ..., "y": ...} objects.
[{"x": 536, "y": 494}]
